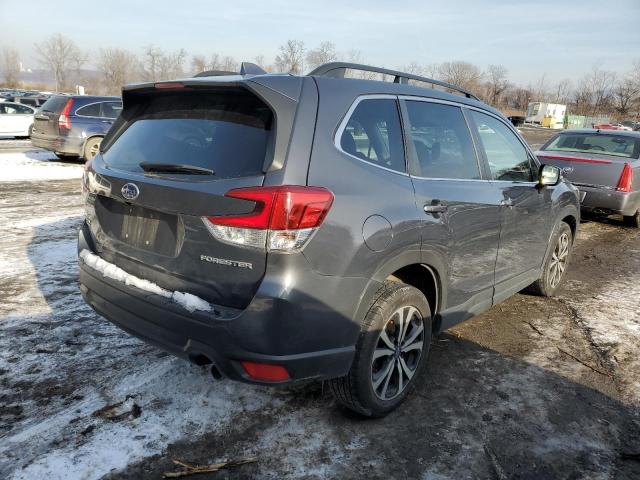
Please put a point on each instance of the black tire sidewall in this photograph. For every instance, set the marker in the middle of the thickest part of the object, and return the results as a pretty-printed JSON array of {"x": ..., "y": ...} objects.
[
  {"x": 380, "y": 312},
  {"x": 633, "y": 220}
]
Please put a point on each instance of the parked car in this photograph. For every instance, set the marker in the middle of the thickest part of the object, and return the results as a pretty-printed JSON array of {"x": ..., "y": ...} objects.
[
  {"x": 612, "y": 126},
  {"x": 32, "y": 101},
  {"x": 73, "y": 126},
  {"x": 329, "y": 244},
  {"x": 16, "y": 120},
  {"x": 604, "y": 165}
]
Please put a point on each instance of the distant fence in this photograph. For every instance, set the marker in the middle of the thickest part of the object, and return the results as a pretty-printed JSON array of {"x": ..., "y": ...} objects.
[{"x": 582, "y": 121}]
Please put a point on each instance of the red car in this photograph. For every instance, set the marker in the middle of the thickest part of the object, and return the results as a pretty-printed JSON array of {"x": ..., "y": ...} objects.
[{"x": 611, "y": 126}]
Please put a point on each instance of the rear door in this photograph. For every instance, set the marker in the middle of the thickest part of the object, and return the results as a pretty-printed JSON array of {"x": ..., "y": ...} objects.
[
  {"x": 461, "y": 208},
  {"x": 153, "y": 222},
  {"x": 524, "y": 232}
]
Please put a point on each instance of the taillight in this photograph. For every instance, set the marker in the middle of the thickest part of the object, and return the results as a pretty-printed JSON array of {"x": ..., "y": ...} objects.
[
  {"x": 626, "y": 179},
  {"x": 283, "y": 218},
  {"x": 64, "y": 121}
]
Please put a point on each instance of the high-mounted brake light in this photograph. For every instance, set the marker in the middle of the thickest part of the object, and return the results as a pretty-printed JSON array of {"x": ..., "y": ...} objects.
[
  {"x": 283, "y": 217},
  {"x": 626, "y": 179},
  {"x": 169, "y": 85},
  {"x": 64, "y": 120},
  {"x": 574, "y": 159}
]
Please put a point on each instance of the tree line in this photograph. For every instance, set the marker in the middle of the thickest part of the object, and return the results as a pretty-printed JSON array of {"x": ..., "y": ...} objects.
[{"x": 598, "y": 92}]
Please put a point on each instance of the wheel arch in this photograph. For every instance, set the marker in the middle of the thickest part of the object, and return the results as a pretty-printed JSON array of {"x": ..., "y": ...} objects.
[{"x": 421, "y": 270}]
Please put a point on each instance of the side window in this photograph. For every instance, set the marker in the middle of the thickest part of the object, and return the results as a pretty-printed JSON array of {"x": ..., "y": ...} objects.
[
  {"x": 23, "y": 110},
  {"x": 373, "y": 134},
  {"x": 91, "y": 110},
  {"x": 508, "y": 159},
  {"x": 442, "y": 142},
  {"x": 111, "y": 109}
]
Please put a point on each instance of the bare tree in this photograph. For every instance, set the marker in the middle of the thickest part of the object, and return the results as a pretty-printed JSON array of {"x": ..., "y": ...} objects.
[
  {"x": 562, "y": 91},
  {"x": 199, "y": 64},
  {"x": 158, "y": 65},
  {"x": 118, "y": 67},
  {"x": 10, "y": 65},
  {"x": 462, "y": 74},
  {"x": 325, "y": 53},
  {"x": 61, "y": 55},
  {"x": 496, "y": 83},
  {"x": 291, "y": 57},
  {"x": 625, "y": 94}
]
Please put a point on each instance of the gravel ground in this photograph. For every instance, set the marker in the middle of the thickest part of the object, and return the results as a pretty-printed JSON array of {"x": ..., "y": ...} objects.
[{"x": 534, "y": 388}]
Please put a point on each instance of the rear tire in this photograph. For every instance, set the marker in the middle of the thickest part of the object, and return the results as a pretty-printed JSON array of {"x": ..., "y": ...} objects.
[
  {"x": 92, "y": 148},
  {"x": 391, "y": 352},
  {"x": 556, "y": 263},
  {"x": 632, "y": 220}
]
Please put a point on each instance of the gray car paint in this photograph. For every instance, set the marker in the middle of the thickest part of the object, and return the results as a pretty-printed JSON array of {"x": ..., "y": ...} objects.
[
  {"x": 597, "y": 181},
  {"x": 310, "y": 304}
]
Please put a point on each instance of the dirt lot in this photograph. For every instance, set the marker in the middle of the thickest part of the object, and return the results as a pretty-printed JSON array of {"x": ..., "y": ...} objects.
[{"x": 534, "y": 388}]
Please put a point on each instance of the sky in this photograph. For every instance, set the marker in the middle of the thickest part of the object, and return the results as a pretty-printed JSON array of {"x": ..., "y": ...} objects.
[{"x": 558, "y": 38}]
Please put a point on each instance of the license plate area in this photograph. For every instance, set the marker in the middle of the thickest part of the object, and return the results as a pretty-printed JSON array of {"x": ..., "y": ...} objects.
[{"x": 139, "y": 227}]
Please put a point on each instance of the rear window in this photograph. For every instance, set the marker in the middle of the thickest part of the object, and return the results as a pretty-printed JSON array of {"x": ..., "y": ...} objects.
[
  {"x": 616, "y": 145},
  {"x": 55, "y": 104},
  {"x": 226, "y": 131}
]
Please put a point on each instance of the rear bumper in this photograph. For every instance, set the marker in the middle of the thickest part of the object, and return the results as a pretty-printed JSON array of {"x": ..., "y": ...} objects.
[
  {"x": 57, "y": 143},
  {"x": 608, "y": 201},
  {"x": 315, "y": 345}
]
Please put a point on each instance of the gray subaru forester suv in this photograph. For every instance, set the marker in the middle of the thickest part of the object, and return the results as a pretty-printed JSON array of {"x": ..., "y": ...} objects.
[{"x": 287, "y": 228}]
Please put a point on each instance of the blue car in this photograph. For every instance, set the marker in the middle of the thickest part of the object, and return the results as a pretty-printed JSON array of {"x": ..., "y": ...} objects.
[{"x": 72, "y": 126}]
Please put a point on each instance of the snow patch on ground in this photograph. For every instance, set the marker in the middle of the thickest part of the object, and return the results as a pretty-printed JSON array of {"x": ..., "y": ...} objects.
[
  {"x": 188, "y": 301},
  {"x": 35, "y": 166}
]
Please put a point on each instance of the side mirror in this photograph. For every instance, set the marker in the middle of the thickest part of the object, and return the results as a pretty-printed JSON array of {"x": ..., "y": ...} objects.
[{"x": 548, "y": 176}]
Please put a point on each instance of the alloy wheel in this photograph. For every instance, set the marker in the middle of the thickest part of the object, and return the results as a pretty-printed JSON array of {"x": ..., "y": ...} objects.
[
  {"x": 559, "y": 259},
  {"x": 397, "y": 353}
]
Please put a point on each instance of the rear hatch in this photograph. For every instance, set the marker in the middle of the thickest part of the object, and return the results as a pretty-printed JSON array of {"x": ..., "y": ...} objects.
[
  {"x": 46, "y": 120},
  {"x": 591, "y": 159},
  {"x": 166, "y": 166}
]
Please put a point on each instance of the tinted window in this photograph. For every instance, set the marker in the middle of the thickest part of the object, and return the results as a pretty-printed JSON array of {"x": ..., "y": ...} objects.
[
  {"x": 55, "y": 104},
  {"x": 92, "y": 110},
  {"x": 373, "y": 134},
  {"x": 111, "y": 109},
  {"x": 617, "y": 145},
  {"x": 228, "y": 132},
  {"x": 442, "y": 141},
  {"x": 17, "y": 109},
  {"x": 508, "y": 159}
]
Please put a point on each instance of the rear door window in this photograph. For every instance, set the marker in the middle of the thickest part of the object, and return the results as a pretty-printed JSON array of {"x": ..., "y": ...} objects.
[
  {"x": 373, "y": 134},
  {"x": 442, "y": 142},
  {"x": 227, "y": 131},
  {"x": 91, "y": 110},
  {"x": 508, "y": 158}
]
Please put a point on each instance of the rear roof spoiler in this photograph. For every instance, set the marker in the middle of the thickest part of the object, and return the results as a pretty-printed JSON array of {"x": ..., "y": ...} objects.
[
  {"x": 338, "y": 70},
  {"x": 246, "y": 68}
]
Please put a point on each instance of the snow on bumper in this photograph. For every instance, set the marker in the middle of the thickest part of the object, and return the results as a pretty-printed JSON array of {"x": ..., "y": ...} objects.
[{"x": 186, "y": 300}]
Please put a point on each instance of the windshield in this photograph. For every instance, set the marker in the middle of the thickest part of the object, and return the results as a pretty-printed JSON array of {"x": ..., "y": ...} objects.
[
  {"x": 227, "y": 132},
  {"x": 616, "y": 145}
]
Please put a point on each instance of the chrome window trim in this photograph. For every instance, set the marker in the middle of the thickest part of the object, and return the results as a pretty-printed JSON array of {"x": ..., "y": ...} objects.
[
  {"x": 345, "y": 120},
  {"x": 93, "y": 116}
]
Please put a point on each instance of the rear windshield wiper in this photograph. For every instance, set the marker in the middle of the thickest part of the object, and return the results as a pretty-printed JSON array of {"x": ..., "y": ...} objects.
[{"x": 175, "y": 168}]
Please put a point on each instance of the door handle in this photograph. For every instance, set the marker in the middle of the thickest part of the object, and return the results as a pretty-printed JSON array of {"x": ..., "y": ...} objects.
[{"x": 434, "y": 207}]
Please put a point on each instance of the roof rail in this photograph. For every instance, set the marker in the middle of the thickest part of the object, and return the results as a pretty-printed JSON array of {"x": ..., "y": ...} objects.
[{"x": 338, "y": 69}]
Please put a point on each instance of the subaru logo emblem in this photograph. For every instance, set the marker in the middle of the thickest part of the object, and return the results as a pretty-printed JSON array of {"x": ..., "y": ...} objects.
[{"x": 130, "y": 191}]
